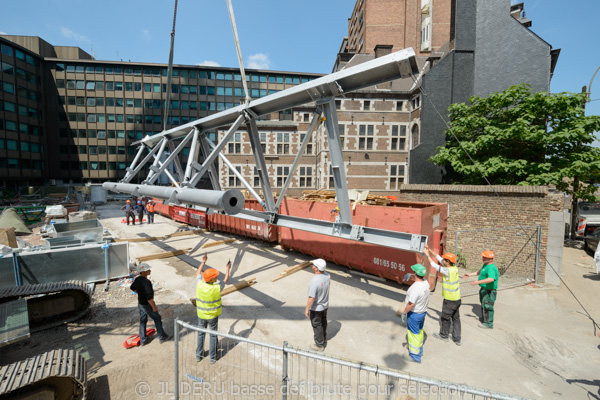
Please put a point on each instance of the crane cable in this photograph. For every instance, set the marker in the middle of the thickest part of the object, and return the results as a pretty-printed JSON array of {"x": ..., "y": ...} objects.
[
  {"x": 170, "y": 70},
  {"x": 239, "y": 51}
]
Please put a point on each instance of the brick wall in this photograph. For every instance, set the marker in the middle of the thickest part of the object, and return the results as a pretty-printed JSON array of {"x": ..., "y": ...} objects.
[{"x": 482, "y": 210}]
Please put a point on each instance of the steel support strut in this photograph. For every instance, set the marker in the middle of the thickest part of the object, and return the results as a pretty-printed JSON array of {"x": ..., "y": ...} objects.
[
  {"x": 261, "y": 165},
  {"x": 193, "y": 157},
  {"x": 338, "y": 169},
  {"x": 169, "y": 160},
  {"x": 213, "y": 174},
  {"x": 134, "y": 163},
  {"x": 213, "y": 155},
  {"x": 161, "y": 150},
  {"x": 133, "y": 172}
]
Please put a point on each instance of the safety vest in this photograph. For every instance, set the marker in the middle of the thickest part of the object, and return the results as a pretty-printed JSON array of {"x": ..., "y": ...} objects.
[
  {"x": 451, "y": 285},
  {"x": 208, "y": 300},
  {"x": 150, "y": 207}
]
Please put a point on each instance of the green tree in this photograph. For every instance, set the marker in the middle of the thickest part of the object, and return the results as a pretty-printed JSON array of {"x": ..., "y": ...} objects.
[{"x": 516, "y": 137}]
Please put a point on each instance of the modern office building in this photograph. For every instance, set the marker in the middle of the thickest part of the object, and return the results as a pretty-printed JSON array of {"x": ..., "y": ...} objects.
[{"x": 65, "y": 117}]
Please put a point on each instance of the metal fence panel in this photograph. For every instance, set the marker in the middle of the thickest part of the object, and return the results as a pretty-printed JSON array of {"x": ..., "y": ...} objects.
[
  {"x": 516, "y": 250},
  {"x": 85, "y": 263},
  {"x": 247, "y": 369}
]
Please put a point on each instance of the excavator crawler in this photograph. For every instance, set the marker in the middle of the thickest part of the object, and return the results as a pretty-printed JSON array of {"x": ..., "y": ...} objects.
[{"x": 57, "y": 374}]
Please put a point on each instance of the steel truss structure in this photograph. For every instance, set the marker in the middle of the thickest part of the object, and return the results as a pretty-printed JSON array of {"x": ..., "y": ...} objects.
[{"x": 321, "y": 91}]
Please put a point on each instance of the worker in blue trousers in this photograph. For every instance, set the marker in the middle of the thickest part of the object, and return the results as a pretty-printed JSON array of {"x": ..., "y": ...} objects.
[{"x": 415, "y": 310}]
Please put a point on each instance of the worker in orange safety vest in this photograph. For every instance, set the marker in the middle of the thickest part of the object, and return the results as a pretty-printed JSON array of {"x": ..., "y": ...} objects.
[{"x": 150, "y": 211}]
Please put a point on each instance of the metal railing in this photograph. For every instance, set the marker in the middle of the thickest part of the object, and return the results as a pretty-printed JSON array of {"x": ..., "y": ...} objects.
[{"x": 247, "y": 369}]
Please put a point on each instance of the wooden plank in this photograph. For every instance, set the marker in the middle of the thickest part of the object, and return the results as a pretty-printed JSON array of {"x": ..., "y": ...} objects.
[
  {"x": 292, "y": 270},
  {"x": 165, "y": 254},
  {"x": 185, "y": 233},
  {"x": 218, "y": 243},
  {"x": 8, "y": 237},
  {"x": 231, "y": 288}
]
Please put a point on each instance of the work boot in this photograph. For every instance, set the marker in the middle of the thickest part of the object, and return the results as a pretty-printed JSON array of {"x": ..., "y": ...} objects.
[
  {"x": 457, "y": 342},
  {"x": 438, "y": 336},
  {"x": 317, "y": 348},
  {"x": 485, "y": 326}
]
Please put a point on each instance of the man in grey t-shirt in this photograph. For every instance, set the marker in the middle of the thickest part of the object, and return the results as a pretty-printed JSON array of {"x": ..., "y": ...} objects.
[{"x": 318, "y": 303}]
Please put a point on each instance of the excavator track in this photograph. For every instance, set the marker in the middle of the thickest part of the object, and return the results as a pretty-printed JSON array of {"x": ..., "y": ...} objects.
[
  {"x": 51, "y": 304},
  {"x": 57, "y": 374}
]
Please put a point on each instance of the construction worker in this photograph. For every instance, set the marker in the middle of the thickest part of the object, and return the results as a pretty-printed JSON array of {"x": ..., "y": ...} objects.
[
  {"x": 208, "y": 306},
  {"x": 146, "y": 305},
  {"x": 129, "y": 212},
  {"x": 150, "y": 211},
  {"x": 318, "y": 303},
  {"x": 450, "y": 293},
  {"x": 415, "y": 310},
  {"x": 488, "y": 282},
  {"x": 139, "y": 209}
]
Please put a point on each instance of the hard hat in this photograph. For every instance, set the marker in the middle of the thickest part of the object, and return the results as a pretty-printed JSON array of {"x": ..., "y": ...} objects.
[
  {"x": 210, "y": 274},
  {"x": 143, "y": 267},
  {"x": 450, "y": 257},
  {"x": 419, "y": 269},
  {"x": 129, "y": 201},
  {"x": 487, "y": 254},
  {"x": 320, "y": 264}
]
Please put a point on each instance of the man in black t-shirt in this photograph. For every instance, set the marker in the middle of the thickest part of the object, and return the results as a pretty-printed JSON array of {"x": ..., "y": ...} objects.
[{"x": 143, "y": 287}]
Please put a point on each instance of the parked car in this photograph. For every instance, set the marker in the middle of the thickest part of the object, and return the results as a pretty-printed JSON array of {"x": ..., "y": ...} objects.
[{"x": 591, "y": 240}]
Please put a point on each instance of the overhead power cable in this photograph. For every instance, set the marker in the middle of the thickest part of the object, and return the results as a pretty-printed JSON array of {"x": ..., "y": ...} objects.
[{"x": 529, "y": 238}]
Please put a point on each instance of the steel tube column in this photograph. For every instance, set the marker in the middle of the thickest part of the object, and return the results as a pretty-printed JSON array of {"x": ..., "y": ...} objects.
[
  {"x": 231, "y": 201},
  {"x": 261, "y": 165},
  {"x": 337, "y": 161},
  {"x": 193, "y": 157},
  {"x": 213, "y": 174},
  {"x": 163, "y": 144}
]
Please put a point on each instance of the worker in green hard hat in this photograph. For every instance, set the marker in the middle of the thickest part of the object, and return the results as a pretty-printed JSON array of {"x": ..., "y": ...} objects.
[{"x": 415, "y": 310}]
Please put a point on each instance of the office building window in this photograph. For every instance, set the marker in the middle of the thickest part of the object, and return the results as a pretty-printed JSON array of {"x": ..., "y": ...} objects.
[
  {"x": 398, "y": 138},
  {"x": 282, "y": 173},
  {"x": 365, "y": 137},
  {"x": 396, "y": 177},
  {"x": 305, "y": 177}
]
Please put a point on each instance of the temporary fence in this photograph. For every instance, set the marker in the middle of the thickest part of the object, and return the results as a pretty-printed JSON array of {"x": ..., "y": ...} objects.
[
  {"x": 517, "y": 252},
  {"x": 247, "y": 369}
]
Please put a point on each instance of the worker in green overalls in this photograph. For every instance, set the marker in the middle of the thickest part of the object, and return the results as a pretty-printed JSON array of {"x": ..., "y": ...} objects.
[{"x": 488, "y": 282}]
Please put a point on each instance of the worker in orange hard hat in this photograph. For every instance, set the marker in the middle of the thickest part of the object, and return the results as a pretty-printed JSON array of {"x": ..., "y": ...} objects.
[
  {"x": 208, "y": 306},
  {"x": 129, "y": 212},
  {"x": 488, "y": 282},
  {"x": 450, "y": 292}
]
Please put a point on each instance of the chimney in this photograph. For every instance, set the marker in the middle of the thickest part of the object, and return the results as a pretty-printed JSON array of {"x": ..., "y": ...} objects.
[{"x": 382, "y": 50}]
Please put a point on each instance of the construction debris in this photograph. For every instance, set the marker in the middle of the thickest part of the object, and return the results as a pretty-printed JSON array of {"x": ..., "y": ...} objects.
[
  {"x": 217, "y": 243},
  {"x": 291, "y": 270},
  {"x": 165, "y": 254},
  {"x": 359, "y": 198}
]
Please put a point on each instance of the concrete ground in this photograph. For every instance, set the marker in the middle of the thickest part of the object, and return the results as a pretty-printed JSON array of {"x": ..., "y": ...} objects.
[{"x": 542, "y": 346}]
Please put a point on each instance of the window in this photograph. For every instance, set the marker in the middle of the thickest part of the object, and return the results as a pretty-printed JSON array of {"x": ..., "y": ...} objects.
[
  {"x": 8, "y": 87},
  {"x": 399, "y": 105},
  {"x": 398, "y": 140},
  {"x": 110, "y": 86},
  {"x": 305, "y": 177},
  {"x": 415, "y": 136},
  {"x": 11, "y": 144},
  {"x": 396, "y": 176},
  {"x": 309, "y": 146},
  {"x": 235, "y": 144},
  {"x": 365, "y": 137},
  {"x": 338, "y": 104},
  {"x": 7, "y": 68},
  {"x": 6, "y": 50},
  {"x": 282, "y": 173},
  {"x": 366, "y": 105},
  {"x": 415, "y": 102},
  {"x": 283, "y": 143},
  {"x": 91, "y": 102},
  {"x": 234, "y": 181}
]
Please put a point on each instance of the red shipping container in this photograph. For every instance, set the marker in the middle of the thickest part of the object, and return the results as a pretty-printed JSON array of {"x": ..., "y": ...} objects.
[
  {"x": 244, "y": 227},
  {"x": 180, "y": 214},
  {"x": 161, "y": 208},
  {"x": 418, "y": 218},
  {"x": 197, "y": 218}
]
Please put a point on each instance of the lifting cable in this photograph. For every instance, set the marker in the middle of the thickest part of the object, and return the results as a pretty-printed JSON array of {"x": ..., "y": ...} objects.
[
  {"x": 170, "y": 70},
  {"x": 239, "y": 51},
  {"x": 529, "y": 238}
]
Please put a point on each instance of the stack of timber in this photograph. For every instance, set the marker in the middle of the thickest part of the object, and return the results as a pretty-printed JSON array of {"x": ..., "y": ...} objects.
[{"x": 361, "y": 197}]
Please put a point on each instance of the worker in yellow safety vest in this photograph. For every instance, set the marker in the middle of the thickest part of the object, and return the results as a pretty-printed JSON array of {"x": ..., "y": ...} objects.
[
  {"x": 451, "y": 293},
  {"x": 208, "y": 305}
]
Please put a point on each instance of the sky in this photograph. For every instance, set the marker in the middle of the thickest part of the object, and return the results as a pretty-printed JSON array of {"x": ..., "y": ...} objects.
[{"x": 282, "y": 35}]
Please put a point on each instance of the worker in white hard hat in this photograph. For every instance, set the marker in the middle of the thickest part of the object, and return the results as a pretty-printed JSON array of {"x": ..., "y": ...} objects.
[
  {"x": 318, "y": 303},
  {"x": 146, "y": 305}
]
